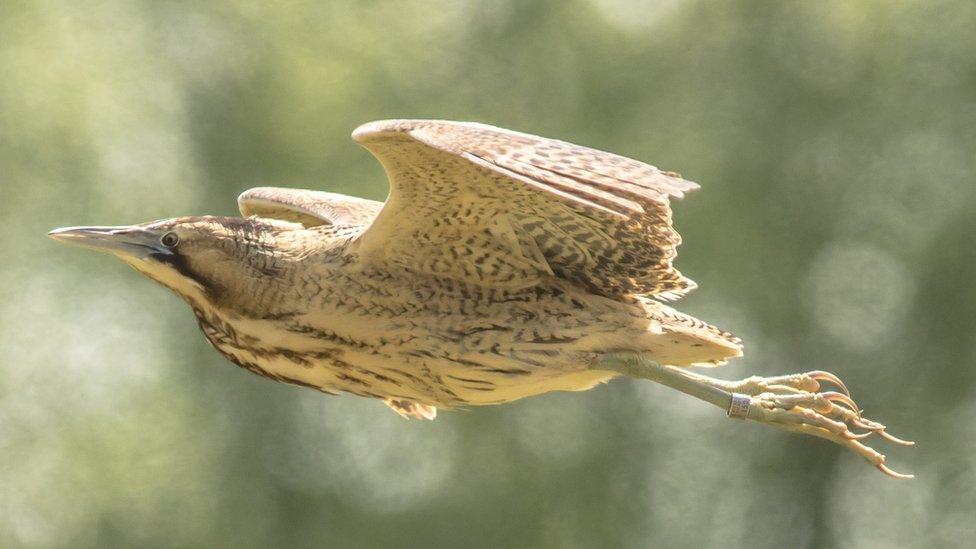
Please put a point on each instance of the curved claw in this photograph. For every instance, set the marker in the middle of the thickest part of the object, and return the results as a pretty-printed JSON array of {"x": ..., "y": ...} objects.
[
  {"x": 872, "y": 426},
  {"x": 878, "y": 428},
  {"x": 821, "y": 375},
  {"x": 834, "y": 396},
  {"x": 867, "y": 434},
  {"x": 857, "y": 436},
  {"x": 794, "y": 403},
  {"x": 886, "y": 470},
  {"x": 891, "y": 438}
]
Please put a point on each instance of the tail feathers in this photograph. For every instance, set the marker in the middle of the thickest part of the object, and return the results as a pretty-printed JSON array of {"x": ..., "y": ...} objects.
[
  {"x": 410, "y": 409},
  {"x": 683, "y": 340}
]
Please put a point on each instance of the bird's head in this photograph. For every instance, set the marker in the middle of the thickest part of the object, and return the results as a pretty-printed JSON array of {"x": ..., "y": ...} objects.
[{"x": 203, "y": 259}]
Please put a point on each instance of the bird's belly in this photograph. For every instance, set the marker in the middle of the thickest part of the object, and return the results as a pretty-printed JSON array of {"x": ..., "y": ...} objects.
[
  {"x": 435, "y": 381},
  {"x": 503, "y": 389},
  {"x": 323, "y": 371},
  {"x": 469, "y": 355},
  {"x": 429, "y": 364}
]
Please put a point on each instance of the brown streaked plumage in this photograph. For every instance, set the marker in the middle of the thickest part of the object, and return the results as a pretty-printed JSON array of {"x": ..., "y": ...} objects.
[{"x": 502, "y": 265}]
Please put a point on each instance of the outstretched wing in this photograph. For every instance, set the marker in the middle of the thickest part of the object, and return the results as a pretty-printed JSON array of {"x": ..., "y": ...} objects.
[
  {"x": 503, "y": 209},
  {"x": 310, "y": 208}
]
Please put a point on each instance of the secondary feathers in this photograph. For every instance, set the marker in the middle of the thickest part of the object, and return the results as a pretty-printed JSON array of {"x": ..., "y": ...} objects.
[{"x": 493, "y": 207}]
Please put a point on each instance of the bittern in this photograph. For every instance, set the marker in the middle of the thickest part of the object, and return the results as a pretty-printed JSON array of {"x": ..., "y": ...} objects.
[{"x": 502, "y": 265}]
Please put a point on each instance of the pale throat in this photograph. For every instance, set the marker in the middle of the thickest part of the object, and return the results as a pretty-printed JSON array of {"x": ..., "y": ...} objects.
[{"x": 185, "y": 287}]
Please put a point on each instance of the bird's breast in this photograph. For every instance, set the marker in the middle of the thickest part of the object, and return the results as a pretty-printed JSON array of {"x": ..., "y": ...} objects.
[{"x": 429, "y": 345}]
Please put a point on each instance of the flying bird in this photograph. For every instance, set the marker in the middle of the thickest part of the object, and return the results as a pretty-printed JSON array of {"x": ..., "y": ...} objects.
[{"x": 502, "y": 265}]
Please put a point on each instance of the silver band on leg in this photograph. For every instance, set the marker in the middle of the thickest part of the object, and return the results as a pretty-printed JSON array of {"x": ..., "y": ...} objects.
[{"x": 739, "y": 407}]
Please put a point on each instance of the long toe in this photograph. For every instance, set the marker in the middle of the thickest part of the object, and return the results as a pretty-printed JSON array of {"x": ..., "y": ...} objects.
[{"x": 829, "y": 415}]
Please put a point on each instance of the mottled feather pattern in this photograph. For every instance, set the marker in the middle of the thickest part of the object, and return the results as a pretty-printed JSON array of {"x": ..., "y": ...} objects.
[
  {"x": 598, "y": 219},
  {"x": 502, "y": 265}
]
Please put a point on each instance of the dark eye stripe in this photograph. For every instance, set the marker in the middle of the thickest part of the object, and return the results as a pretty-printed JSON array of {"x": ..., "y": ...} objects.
[{"x": 179, "y": 263}]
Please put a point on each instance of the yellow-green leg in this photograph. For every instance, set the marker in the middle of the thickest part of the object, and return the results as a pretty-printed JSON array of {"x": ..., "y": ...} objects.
[{"x": 792, "y": 402}]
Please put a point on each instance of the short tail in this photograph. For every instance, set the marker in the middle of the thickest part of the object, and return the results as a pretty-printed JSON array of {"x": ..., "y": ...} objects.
[{"x": 678, "y": 339}]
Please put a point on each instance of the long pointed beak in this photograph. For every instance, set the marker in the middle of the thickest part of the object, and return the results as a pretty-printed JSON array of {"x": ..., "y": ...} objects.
[{"x": 133, "y": 241}]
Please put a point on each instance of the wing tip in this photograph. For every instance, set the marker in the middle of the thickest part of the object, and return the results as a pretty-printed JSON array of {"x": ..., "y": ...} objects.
[
  {"x": 249, "y": 200},
  {"x": 670, "y": 296},
  {"x": 377, "y": 128},
  {"x": 678, "y": 186},
  {"x": 254, "y": 193},
  {"x": 369, "y": 130}
]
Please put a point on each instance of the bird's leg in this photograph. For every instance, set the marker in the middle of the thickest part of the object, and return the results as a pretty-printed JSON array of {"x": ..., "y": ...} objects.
[{"x": 792, "y": 403}]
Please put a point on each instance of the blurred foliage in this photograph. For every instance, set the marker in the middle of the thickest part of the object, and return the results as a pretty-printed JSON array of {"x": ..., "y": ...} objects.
[{"x": 835, "y": 144}]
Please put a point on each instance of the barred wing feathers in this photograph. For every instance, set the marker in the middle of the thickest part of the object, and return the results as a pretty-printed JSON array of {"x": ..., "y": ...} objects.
[{"x": 500, "y": 208}]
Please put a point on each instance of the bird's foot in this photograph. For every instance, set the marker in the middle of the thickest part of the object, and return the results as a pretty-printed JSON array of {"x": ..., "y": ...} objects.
[
  {"x": 792, "y": 403},
  {"x": 808, "y": 382}
]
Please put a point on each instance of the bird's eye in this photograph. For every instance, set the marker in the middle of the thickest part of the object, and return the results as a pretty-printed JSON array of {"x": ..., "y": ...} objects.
[{"x": 170, "y": 240}]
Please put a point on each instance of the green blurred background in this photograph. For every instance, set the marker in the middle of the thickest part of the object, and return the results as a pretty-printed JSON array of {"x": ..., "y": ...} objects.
[{"x": 835, "y": 230}]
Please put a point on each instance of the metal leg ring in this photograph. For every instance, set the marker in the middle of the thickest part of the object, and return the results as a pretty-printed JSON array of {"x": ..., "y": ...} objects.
[{"x": 739, "y": 407}]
